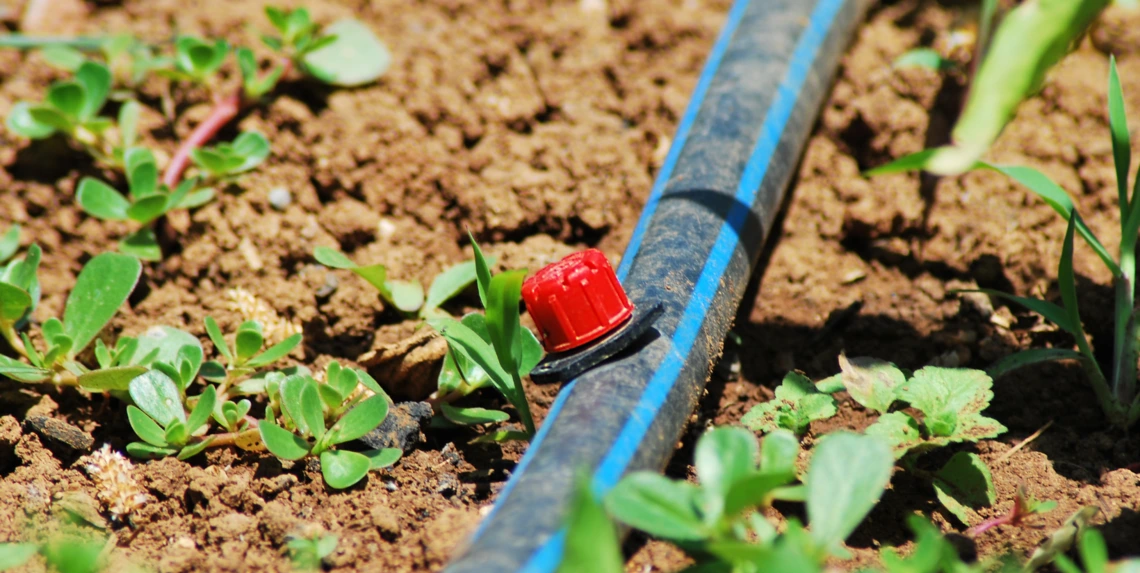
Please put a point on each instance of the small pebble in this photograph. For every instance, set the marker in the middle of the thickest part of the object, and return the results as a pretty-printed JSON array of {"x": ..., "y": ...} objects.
[
  {"x": 330, "y": 286},
  {"x": 280, "y": 198}
]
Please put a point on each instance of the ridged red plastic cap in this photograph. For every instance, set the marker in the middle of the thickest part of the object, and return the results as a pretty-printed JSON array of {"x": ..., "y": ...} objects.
[{"x": 576, "y": 300}]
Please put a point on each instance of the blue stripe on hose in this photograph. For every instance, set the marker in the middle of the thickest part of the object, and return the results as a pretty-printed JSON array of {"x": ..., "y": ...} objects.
[
  {"x": 682, "y": 135},
  {"x": 711, "y": 67},
  {"x": 547, "y": 558}
]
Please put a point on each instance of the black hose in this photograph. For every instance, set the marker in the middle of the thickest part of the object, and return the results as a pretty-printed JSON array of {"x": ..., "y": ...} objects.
[{"x": 694, "y": 249}]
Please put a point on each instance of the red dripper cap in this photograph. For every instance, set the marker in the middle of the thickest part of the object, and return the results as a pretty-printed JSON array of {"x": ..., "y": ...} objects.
[{"x": 576, "y": 300}]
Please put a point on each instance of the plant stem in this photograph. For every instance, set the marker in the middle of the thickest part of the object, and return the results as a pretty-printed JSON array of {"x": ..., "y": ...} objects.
[
  {"x": 224, "y": 110},
  {"x": 14, "y": 341},
  {"x": 522, "y": 405},
  {"x": 1124, "y": 360}
]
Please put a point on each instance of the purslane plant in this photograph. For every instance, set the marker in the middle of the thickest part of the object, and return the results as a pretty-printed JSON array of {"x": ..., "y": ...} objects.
[
  {"x": 497, "y": 343},
  {"x": 1116, "y": 391},
  {"x": 103, "y": 285},
  {"x": 317, "y": 416}
]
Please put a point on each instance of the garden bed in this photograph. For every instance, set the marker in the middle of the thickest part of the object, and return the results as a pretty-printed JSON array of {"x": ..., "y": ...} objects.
[{"x": 540, "y": 128}]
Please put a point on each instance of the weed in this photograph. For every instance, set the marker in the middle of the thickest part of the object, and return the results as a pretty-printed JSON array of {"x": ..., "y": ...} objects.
[
  {"x": 308, "y": 553},
  {"x": 316, "y": 416}
]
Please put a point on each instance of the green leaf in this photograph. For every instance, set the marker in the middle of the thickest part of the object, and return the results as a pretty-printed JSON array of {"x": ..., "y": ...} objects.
[
  {"x": 142, "y": 244},
  {"x": 846, "y": 478},
  {"x": 659, "y": 506},
  {"x": 291, "y": 389},
  {"x": 13, "y": 555},
  {"x": 277, "y": 17},
  {"x": 67, "y": 97},
  {"x": 129, "y": 123},
  {"x": 343, "y": 468},
  {"x": 797, "y": 403},
  {"x": 147, "y": 209},
  {"x": 156, "y": 394},
  {"x": 409, "y": 295},
  {"x": 118, "y": 378},
  {"x": 964, "y": 392},
  {"x": 247, "y": 343},
  {"x": 354, "y": 58},
  {"x": 871, "y": 382},
  {"x": 723, "y": 456},
  {"x": 201, "y": 412},
  {"x": 166, "y": 342},
  {"x": 177, "y": 434},
  {"x": 1029, "y": 357},
  {"x": 472, "y": 346},
  {"x": 503, "y": 317},
  {"x": 482, "y": 271},
  {"x": 101, "y": 288},
  {"x": 913, "y": 162},
  {"x": 925, "y": 58},
  {"x": 21, "y": 372},
  {"x": 1093, "y": 550},
  {"x": 502, "y": 436},
  {"x": 149, "y": 451},
  {"x": 282, "y": 443},
  {"x": 472, "y": 416},
  {"x": 196, "y": 199},
  {"x": 14, "y": 302},
  {"x": 406, "y": 296},
  {"x": 47, "y": 115},
  {"x": 448, "y": 284},
  {"x": 313, "y": 411},
  {"x": 219, "y": 341},
  {"x": 275, "y": 352},
  {"x": 63, "y": 57},
  {"x": 964, "y": 482},
  {"x": 142, "y": 172},
  {"x": 1118, "y": 129},
  {"x": 592, "y": 544},
  {"x": 360, "y": 420},
  {"x": 96, "y": 81},
  {"x": 199, "y": 58},
  {"x": 753, "y": 490},
  {"x": 899, "y": 429},
  {"x": 21, "y": 122},
  {"x": 253, "y": 148},
  {"x": 146, "y": 428},
  {"x": 1051, "y": 312},
  {"x": 9, "y": 242},
  {"x": 195, "y": 448},
  {"x": 382, "y": 458},
  {"x": 100, "y": 200},
  {"x": 778, "y": 452}
]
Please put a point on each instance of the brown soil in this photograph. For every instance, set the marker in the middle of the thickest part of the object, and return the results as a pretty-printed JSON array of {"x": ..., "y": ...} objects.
[{"x": 539, "y": 127}]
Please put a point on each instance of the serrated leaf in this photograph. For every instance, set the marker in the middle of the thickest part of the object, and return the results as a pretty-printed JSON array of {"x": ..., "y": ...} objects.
[
  {"x": 343, "y": 468},
  {"x": 899, "y": 430},
  {"x": 964, "y": 392},
  {"x": 659, "y": 506},
  {"x": 354, "y": 58},
  {"x": 846, "y": 478},
  {"x": 870, "y": 381},
  {"x": 282, "y": 443}
]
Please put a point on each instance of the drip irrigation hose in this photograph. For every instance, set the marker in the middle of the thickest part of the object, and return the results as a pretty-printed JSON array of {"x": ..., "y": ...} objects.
[{"x": 693, "y": 251}]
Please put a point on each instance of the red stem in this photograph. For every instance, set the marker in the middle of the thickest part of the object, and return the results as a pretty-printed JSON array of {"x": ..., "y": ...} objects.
[{"x": 224, "y": 110}]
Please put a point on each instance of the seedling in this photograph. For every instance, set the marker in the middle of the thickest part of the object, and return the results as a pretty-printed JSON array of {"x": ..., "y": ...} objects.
[
  {"x": 102, "y": 287},
  {"x": 308, "y": 553},
  {"x": 1116, "y": 392},
  {"x": 718, "y": 522},
  {"x": 950, "y": 401},
  {"x": 933, "y": 553},
  {"x": 245, "y": 356},
  {"x": 148, "y": 200},
  {"x": 497, "y": 344},
  {"x": 196, "y": 60},
  {"x": 1024, "y": 507},
  {"x": 70, "y": 107},
  {"x": 159, "y": 417},
  {"x": 316, "y": 416},
  {"x": 406, "y": 296}
]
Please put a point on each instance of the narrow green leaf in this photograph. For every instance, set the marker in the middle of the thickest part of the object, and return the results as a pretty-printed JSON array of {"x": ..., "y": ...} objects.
[
  {"x": 148, "y": 451},
  {"x": 100, "y": 200},
  {"x": 1029, "y": 357},
  {"x": 291, "y": 406},
  {"x": 201, "y": 413},
  {"x": 1067, "y": 281},
  {"x": 354, "y": 58},
  {"x": 502, "y": 436},
  {"x": 282, "y": 443},
  {"x": 313, "y": 411},
  {"x": 472, "y": 416},
  {"x": 21, "y": 372},
  {"x": 194, "y": 449},
  {"x": 146, "y": 428},
  {"x": 1118, "y": 129},
  {"x": 1051, "y": 312},
  {"x": 275, "y": 352},
  {"x": 360, "y": 420},
  {"x": 343, "y": 468},
  {"x": 846, "y": 478},
  {"x": 1094, "y": 551},
  {"x": 118, "y": 378},
  {"x": 912, "y": 162},
  {"x": 142, "y": 172},
  {"x": 156, "y": 394},
  {"x": 503, "y": 317},
  {"x": 103, "y": 285},
  {"x": 219, "y": 341},
  {"x": 9, "y": 243},
  {"x": 129, "y": 123},
  {"x": 482, "y": 271},
  {"x": 925, "y": 58},
  {"x": 50, "y": 116},
  {"x": 196, "y": 199}
]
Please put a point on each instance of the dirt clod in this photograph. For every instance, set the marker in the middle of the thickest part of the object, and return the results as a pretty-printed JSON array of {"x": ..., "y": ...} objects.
[
  {"x": 64, "y": 439},
  {"x": 402, "y": 428}
]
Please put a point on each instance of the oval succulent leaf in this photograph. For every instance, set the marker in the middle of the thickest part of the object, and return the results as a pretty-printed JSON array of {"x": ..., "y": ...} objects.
[
  {"x": 201, "y": 413},
  {"x": 67, "y": 97},
  {"x": 142, "y": 172},
  {"x": 383, "y": 458},
  {"x": 282, "y": 443},
  {"x": 21, "y": 122},
  {"x": 96, "y": 81},
  {"x": 145, "y": 427},
  {"x": 103, "y": 285},
  {"x": 355, "y": 57},
  {"x": 102, "y": 201},
  {"x": 343, "y": 468},
  {"x": 156, "y": 394},
  {"x": 360, "y": 420}
]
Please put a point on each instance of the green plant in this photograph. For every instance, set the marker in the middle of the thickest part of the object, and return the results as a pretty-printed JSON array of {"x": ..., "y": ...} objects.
[
  {"x": 148, "y": 200},
  {"x": 308, "y": 553},
  {"x": 591, "y": 538},
  {"x": 159, "y": 417},
  {"x": 1024, "y": 506},
  {"x": 1115, "y": 392},
  {"x": 316, "y": 416},
  {"x": 63, "y": 554},
  {"x": 9, "y": 243},
  {"x": 101, "y": 288},
  {"x": 718, "y": 522},
  {"x": 70, "y": 107},
  {"x": 949, "y": 402},
  {"x": 406, "y": 296},
  {"x": 497, "y": 344}
]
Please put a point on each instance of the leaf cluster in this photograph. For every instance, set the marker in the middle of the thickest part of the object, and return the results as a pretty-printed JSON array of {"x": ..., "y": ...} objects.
[
  {"x": 797, "y": 404},
  {"x": 316, "y": 416}
]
